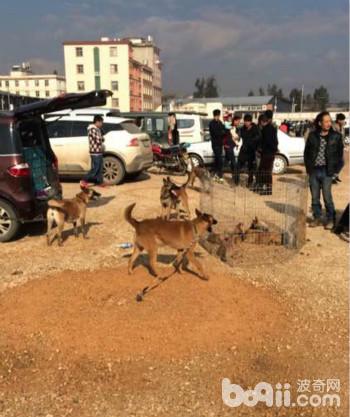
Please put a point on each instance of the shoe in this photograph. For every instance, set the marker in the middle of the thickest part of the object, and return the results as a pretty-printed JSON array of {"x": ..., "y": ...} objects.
[
  {"x": 329, "y": 224},
  {"x": 84, "y": 184},
  {"x": 315, "y": 222}
]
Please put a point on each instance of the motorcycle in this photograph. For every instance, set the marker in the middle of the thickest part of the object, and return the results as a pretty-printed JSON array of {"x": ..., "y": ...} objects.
[{"x": 172, "y": 158}]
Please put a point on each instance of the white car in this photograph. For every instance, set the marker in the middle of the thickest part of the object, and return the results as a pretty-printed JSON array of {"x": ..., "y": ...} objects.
[
  {"x": 290, "y": 152},
  {"x": 127, "y": 150}
]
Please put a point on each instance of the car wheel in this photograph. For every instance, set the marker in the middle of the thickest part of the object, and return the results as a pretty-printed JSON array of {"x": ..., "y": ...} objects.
[
  {"x": 280, "y": 165},
  {"x": 9, "y": 223},
  {"x": 197, "y": 160},
  {"x": 113, "y": 170}
]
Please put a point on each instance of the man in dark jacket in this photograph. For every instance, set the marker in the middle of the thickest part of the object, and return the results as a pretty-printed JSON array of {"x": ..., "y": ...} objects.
[
  {"x": 323, "y": 157},
  {"x": 217, "y": 133},
  {"x": 268, "y": 147},
  {"x": 250, "y": 135}
]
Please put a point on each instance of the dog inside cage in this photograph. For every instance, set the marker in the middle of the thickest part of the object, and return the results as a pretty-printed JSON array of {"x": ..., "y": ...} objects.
[{"x": 255, "y": 226}]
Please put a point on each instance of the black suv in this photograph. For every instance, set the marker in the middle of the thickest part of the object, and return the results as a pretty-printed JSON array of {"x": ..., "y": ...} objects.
[{"x": 28, "y": 166}]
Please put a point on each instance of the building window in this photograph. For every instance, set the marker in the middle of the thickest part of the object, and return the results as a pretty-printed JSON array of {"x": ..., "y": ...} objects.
[
  {"x": 97, "y": 61},
  {"x": 36, "y": 83},
  {"x": 27, "y": 83},
  {"x": 0, "y": 83},
  {"x": 46, "y": 83},
  {"x": 81, "y": 86},
  {"x": 17, "y": 83},
  {"x": 114, "y": 85},
  {"x": 113, "y": 51},
  {"x": 47, "y": 93},
  {"x": 114, "y": 69},
  {"x": 7, "y": 84},
  {"x": 17, "y": 93},
  {"x": 79, "y": 51},
  {"x": 37, "y": 93},
  {"x": 80, "y": 69},
  {"x": 115, "y": 102}
]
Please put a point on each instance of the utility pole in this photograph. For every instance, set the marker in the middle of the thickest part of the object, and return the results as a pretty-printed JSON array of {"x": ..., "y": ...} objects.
[{"x": 302, "y": 99}]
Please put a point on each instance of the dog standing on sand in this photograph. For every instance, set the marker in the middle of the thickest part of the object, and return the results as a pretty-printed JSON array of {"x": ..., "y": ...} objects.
[
  {"x": 180, "y": 235},
  {"x": 171, "y": 195},
  {"x": 70, "y": 211},
  {"x": 202, "y": 174}
]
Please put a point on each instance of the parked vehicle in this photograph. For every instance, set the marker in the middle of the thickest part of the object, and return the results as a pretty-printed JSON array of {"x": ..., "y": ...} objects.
[
  {"x": 290, "y": 152},
  {"x": 190, "y": 125},
  {"x": 28, "y": 165},
  {"x": 170, "y": 158},
  {"x": 127, "y": 150}
]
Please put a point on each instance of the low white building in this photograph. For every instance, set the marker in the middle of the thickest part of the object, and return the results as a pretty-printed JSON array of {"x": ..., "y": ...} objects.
[{"x": 23, "y": 82}]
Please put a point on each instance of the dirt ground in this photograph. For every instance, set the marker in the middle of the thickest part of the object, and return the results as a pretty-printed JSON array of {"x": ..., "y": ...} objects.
[{"x": 74, "y": 342}]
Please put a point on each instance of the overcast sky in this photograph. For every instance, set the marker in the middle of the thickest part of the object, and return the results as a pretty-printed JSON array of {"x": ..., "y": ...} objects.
[{"x": 245, "y": 43}]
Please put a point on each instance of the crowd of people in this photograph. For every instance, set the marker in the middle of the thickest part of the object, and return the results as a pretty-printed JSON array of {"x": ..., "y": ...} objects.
[
  {"x": 259, "y": 143},
  {"x": 323, "y": 157}
]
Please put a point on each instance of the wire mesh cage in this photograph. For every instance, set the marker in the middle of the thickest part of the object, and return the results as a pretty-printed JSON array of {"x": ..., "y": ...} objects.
[{"x": 257, "y": 224}]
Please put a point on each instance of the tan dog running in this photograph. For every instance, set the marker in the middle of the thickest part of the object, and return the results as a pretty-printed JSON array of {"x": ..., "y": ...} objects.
[
  {"x": 179, "y": 235},
  {"x": 70, "y": 211}
]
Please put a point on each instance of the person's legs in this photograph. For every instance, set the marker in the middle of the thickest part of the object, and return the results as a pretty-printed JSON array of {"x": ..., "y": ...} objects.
[
  {"x": 99, "y": 174},
  {"x": 218, "y": 160},
  {"x": 326, "y": 184},
  {"x": 315, "y": 188},
  {"x": 251, "y": 169},
  {"x": 94, "y": 173}
]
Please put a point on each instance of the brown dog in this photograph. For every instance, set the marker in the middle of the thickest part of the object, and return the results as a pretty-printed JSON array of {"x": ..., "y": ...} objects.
[
  {"x": 202, "y": 174},
  {"x": 180, "y": 235},
  {"x": 171, "y": 195},
  {"x": 70, "y": 211}
]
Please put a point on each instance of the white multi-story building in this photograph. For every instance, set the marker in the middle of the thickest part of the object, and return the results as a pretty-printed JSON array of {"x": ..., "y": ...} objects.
[
  {"x": 23, "y": 82},
  {"x": 117, "y": 65}
]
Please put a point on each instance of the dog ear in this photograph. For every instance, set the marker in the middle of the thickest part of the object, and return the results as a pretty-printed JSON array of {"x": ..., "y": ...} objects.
[
  {"x": 164, "y": 181},
  {"x": 198, "y": 213}
]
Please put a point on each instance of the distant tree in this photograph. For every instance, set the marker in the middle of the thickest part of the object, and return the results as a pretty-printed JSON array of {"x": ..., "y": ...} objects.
[
  {"x": 273, "y": 90},
  {"x": 206, "y": 87},
  {"x": 321, "y": 97},
  {"x": 261, "y": 91},
  {"x": 295, "y": 98},
  {"x": 200, "y": 88},
  {"x": 309, "y": 102},
  {"x": 211, "y": 88},
  {"x": 251, "y": 93}
]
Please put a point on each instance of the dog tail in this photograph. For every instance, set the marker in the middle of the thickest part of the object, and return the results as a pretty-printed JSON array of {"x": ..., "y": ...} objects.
[{"x": 128, "y": 215}]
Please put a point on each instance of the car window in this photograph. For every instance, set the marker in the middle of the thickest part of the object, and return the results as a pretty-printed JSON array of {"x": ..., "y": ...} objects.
[
  {"x": 111, "y": 127},
  {"x": 59, "y": 129},
  {"x": 9, "y": 139},
  {"x": 149, "y": 125},
  {"x": 159, "y": 125},
  {"x": 185, "y": 123},
  {"x": 131, "y": 127},
  {"x": 80, "y": 129}
]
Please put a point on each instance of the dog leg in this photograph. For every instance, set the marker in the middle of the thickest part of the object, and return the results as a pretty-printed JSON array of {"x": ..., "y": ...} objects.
[
  {"x": 191, "y": 257},
  {"x": 135, "y": 254},
  {"x": 153, "y": 261},
  {"x": 59, "y": 233},
  {"x": 186, "y": 206},
  {"x": 83, "y": 228},
  {"x": 178, "y": 262},
  {"x": 76, "y": 231},
  {"x": 50, "y": 221}
]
